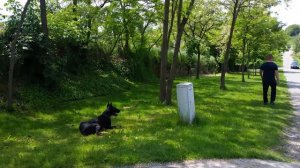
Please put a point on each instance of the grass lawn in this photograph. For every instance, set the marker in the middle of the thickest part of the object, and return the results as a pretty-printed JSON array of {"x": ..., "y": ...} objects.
[{"x": 229, "y": 124}]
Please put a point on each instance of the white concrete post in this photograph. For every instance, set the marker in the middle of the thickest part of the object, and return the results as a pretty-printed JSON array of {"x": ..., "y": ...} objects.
[{"x": 185, "y": 99}]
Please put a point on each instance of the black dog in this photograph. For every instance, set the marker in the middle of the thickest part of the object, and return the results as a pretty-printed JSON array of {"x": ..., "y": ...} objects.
[{"x": 102, "y": 122}]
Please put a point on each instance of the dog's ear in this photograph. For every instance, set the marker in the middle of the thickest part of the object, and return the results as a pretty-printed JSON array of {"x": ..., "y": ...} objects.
[{"x": 109, "y": 103}]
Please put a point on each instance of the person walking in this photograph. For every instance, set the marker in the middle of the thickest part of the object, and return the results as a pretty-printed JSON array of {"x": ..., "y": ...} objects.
[{"x": 270, "y": 77}]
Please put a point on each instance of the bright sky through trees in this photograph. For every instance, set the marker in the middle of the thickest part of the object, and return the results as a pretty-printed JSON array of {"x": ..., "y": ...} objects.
[
  {"x": 2, "y": 9},
  {"x": 288, "y": 14}
]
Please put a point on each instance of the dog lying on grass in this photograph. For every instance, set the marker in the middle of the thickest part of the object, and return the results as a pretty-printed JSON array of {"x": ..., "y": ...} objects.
[{"x": 102, "y": 122}]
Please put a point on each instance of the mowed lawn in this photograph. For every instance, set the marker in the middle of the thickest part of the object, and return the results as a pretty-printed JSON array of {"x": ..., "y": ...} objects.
[{"x": 229, "y": 124}]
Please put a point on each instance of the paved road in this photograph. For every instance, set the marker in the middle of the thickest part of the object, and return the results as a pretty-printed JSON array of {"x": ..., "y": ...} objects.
[
  {"x": 217, "y": 163},
  {"x": 293, "y": 133},
  {"x": 293, "y": 137}
]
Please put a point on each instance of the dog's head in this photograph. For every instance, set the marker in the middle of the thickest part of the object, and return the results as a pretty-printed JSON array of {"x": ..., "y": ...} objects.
[{"x": 112, "y": 110}]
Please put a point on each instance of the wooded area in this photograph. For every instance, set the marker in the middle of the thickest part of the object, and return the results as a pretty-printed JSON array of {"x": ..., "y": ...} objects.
[
  {"x": 46, "y": 42},
  {"x": 62, "y": 61}
]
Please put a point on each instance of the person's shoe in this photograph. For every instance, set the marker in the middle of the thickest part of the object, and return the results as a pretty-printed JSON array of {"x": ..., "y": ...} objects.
[
  {"x": 265, "y": 103},
  {"x": 272, "y": 103}
]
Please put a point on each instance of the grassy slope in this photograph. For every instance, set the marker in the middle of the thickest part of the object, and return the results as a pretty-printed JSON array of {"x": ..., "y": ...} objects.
[
  {"x": 230, "y": 124},
  {"x": 74, "y": 87}
]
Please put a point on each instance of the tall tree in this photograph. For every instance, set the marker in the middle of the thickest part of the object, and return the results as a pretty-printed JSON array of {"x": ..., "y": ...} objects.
[
  {"x": 181, "y": 22},
  {"x": 243, "y": 27},
  {"x": 207, "y": 16},
  {"x": 75, "y": 2},
  {"x": 13, "y": 55},
  {"x": 293, "y": 30},
  {"x": 236, "y": 6},
  {"x": 255, "y": 32},
  {"x": 44, "y": 17},
  {"x": 90, "y": 13},
  {"x": 164, "y": 52}
]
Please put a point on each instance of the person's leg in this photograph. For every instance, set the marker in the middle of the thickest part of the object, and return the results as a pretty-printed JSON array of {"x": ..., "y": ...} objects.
[
  {"x": 273, "y": 92},
  {"x": 265, "y": 92}
]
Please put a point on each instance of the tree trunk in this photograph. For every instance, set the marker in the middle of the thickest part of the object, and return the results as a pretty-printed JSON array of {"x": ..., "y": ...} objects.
[
  {"x": 89, "y": 26},
  {"x": 115, "y": 43},
  {"x": 243, "y": 59},
  {"x": 253, "y": 67},
  {"x": 143, "y": 39},
  {"x": 13, "y": 58},
  {"x": 173, "y": 11},
  {"x": 126, "y": 46},
  {"x": 228, "y": 45},
  {"x": 198, "y": 61},
  {"x": 10, "y": 81},
  {"x": 89, "y": 23},
  {"x": 44, "y": 18},
  {"x": 75, "y": 2},
  {"x": 164, "y": 52},
  {"x": 74, "y": 5},
  {"x": 248, "y": 62},
  {"x": 173, "y": 68},
  {"x": 180, "y": 28}
]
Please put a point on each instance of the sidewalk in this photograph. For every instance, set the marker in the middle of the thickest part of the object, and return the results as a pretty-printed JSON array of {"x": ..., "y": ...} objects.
[
  {"x": 293, "y": 133},
  {"x": 212, "y": 163}
]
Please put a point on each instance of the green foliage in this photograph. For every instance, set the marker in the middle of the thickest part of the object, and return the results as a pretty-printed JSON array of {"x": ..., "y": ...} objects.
[
  {"x": 232, "y": 60},
  {"x": 293, "y": 30},
  {"x": 191, "y": 46},
  {"x": 259, "y": 34},
  {"x": 2, "y": 92},
  {"x": 121, "y": 66},
  {"x": 296, "y": 46},
  {"x": 297, "y": 56},
  {"x": 187, "y": 60},
  {"x": 98, "y": 58},
  {"x": 121, "y": 23},
  {"x": 63, "y": 27},
  {"x": 205, "y": 21},
  {"x": 74, "y": 87},
  {"x": 32, "y": 48},
  {"x": 258, "y": 63},
  {"x": 2, "y": 103},
  {"x": 231, "y": 124},
  {"x": 123, "y": 37},
  {"x": 3, "y": 58},
  {"x": 141, "y": 65},
  {"x": 208, "y": 64},
  {"x": 111, "y": 28}
]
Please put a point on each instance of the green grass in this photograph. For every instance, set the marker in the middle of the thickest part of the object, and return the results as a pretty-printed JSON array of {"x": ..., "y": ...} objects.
[{"x": 229, "y": 124}]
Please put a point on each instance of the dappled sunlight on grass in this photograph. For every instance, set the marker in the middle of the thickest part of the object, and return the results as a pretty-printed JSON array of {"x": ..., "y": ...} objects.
[{"x": 229, "y": 124}]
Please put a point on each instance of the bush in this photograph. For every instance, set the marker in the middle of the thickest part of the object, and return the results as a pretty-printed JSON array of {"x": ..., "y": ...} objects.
[
  {"x": 208, "y": 64},
  {"x": 120, "y": 66}
]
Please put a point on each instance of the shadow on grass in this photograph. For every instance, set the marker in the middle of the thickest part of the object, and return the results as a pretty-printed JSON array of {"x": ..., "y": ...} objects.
[{"x": 229, "y": 124}]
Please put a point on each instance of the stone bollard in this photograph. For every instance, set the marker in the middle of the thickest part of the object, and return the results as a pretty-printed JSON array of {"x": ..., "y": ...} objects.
[{"x": 185, "y": 99}]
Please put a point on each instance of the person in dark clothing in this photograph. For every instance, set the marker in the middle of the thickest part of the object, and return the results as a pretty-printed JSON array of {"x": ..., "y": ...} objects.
[{"x": 270, "y": 77}]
